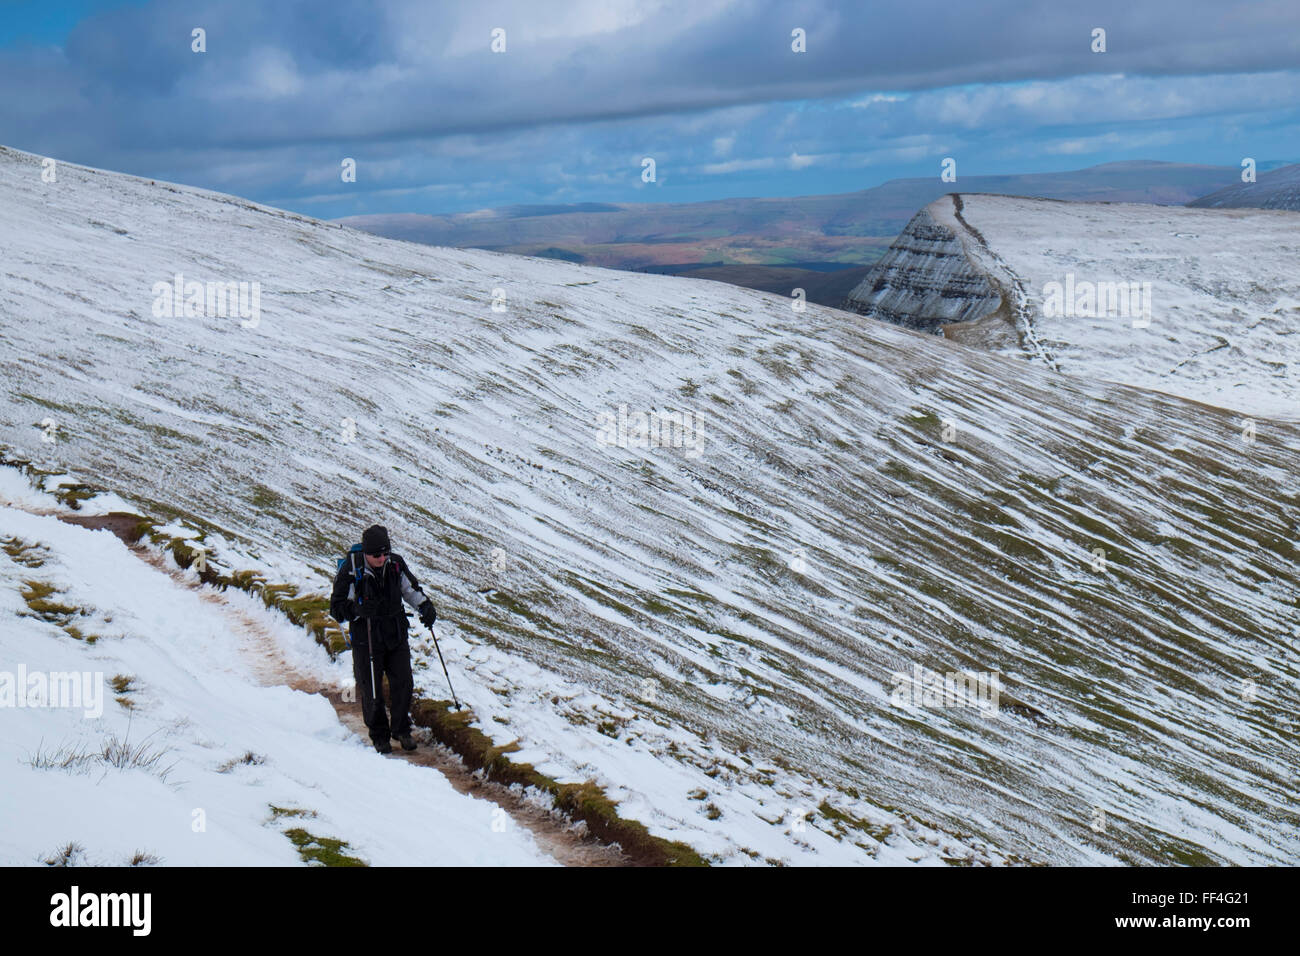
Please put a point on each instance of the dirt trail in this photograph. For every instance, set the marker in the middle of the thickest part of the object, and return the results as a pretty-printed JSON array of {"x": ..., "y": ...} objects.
[{"x": 554, "y": 833}]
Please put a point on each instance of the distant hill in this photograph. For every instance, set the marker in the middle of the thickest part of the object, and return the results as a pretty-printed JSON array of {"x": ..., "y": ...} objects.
[
  {"x": 1278, "y": 189},
  {"x": 756, "y": 242},
  {"x": 850, "y": 228}
]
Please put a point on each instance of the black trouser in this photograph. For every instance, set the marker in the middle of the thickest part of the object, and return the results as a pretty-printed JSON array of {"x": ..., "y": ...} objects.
[{"x": 392, "y": 656}]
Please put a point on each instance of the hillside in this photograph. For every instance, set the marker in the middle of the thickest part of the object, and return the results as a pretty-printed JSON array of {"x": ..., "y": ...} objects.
[
  {"x": 1275, "y": 189},
  {"x": 710, "y": 632},
  {"x": 822, "y": 287},
  {"x": 183, "y": 750}
]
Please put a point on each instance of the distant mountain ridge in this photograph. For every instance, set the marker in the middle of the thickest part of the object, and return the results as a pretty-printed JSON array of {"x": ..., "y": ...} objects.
[
  {"x": 1276, "y": 189},
  {"x": 852, "y": 228}
]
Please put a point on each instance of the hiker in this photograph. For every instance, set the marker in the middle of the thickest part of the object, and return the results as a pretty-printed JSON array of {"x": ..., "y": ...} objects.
[{"x": 369, "y": 590}]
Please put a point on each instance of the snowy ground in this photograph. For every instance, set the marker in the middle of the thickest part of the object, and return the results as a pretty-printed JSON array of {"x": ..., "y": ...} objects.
[
  {"x": 198, "y": 703},
  {"x": 1223, "y": 288},
  {"x": 713, "y": 638}
]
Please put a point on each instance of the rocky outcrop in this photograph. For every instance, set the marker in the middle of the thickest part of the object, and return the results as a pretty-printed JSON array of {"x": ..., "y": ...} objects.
[{"x": 925, "y": 281}]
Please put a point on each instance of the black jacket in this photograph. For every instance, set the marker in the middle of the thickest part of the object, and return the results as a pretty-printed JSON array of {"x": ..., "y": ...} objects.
[{"x": 378, "y": 599}]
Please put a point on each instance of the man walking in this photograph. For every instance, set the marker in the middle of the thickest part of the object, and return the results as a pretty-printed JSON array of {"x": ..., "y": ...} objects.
[{"x": 368, "y": 592}]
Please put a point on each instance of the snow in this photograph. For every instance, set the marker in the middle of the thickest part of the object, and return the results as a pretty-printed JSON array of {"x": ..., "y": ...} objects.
[
  {"x": 197, "y": 697},
  {"x": 568, "y": 574},
  {"x": 1221, "y": 290}
]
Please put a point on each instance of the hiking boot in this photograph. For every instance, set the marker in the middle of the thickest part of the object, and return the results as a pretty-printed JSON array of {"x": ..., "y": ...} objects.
[
  {"x": 383, "y": 746},
  {"x": 406, "y": 740}
]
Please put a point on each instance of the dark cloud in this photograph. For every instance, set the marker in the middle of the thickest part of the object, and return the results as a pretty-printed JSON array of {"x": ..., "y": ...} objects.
[{"x": 304, "y": 82}]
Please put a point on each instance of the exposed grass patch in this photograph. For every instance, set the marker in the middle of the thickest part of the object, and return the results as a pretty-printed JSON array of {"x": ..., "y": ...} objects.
[
  {"x": 122, "y": 686},
  {"x": 280, "y": 812},
  {"x": 38, "y": 594},
  {"x": 48, "y": 403},
  {"x": 72, "y": 494},
  {"x": 321, "y": 851},
  {"x": 248, "y": 759},
  {"x": 580, "y": 801},
  {"x": 70, "y": 854},
  {"x": 28, "y": 555},
  {"x": 114, "y": 752},
  {"x": 878, "y": 832}
]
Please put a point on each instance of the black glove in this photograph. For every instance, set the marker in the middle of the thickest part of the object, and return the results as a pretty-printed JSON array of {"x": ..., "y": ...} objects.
[
  {"x": 350, "y": 610},
  {"x": 427, "y": 614}
]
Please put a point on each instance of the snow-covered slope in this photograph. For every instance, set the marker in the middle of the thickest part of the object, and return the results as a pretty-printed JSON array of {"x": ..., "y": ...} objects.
[
  {"x": 1275, "y": 189},
  {"x": 714, "y": 637},
  {"x": 224, "y": 765},
  {"x": 1199, "y": 303}
]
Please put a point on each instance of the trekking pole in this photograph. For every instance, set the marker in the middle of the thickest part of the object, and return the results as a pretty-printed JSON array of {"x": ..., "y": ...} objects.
[
  {"x": 444, "y": 668},
  {"x": 370, "y": 652}
]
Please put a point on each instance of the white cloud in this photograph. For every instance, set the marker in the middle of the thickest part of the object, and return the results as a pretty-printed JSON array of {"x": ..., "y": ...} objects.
[
  {"x": 876, "y": 99},
  {"x": 735, "y": 166}
]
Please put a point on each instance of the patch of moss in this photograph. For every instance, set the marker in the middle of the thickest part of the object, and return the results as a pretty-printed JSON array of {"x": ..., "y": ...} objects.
[
  {"x": 321, "y": 851},
  {"x": 278, "y": 812},
  {"x": 72, "y": 494}
]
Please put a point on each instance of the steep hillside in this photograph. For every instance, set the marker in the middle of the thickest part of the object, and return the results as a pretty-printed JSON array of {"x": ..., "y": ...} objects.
[
  {"x": 724, "y": 634},
  {"x": 1199, "y": 303}
]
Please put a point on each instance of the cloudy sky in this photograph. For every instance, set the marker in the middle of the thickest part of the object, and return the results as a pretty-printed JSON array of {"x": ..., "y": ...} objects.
[{"x": 586, "y": 89}]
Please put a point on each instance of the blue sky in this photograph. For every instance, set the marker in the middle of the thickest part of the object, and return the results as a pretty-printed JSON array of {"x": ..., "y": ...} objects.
[{"x": 585, "y": 89}]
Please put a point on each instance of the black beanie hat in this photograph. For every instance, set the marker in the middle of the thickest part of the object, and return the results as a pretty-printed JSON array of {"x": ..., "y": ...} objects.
[{"x": 374, "y": 540}]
